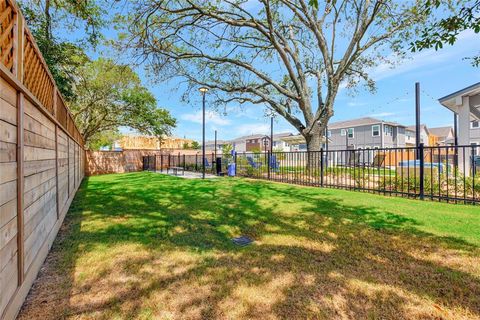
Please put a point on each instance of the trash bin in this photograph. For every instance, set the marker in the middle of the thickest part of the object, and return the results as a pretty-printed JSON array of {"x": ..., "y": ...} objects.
[{"x": 231, "y": 170}]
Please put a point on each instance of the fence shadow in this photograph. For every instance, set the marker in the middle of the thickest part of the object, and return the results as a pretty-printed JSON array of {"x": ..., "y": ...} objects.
[{"x": 314, "y": 256}]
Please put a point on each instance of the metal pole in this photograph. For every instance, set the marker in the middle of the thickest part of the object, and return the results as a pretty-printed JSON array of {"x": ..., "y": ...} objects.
[
  {"x": 326, "y": 145},
  {"x": 417, "y": 118},
  {"x": 422, "y": 172},
  {"x": 455, "y": 129},
  {"x": 215, "y": 145},
  {"x": 271, "y": 134},
  {"x": 321, "y": 167},
  {"x": 203, "y": 136}
]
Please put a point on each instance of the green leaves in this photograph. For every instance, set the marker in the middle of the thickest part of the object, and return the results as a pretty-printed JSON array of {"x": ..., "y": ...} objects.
[
  {"x": 108, "y": 96},
  {"x": 446, "y": 30}
]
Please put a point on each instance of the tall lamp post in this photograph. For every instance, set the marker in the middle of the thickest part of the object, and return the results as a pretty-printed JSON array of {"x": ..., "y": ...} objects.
[{"x": 203, "y": 90}]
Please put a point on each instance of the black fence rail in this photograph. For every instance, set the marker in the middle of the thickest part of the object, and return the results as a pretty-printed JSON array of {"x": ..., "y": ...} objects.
[
  {"x": 442, "y": 173},
  {"x": 192, "y": 163}
]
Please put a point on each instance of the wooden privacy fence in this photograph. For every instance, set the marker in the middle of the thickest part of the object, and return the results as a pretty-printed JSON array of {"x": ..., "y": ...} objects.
[
  {"x": 41, "y": 160},
  {"x": 101, "y": 162}
]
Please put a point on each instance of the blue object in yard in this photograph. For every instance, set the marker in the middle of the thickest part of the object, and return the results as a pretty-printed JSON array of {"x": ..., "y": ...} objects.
[
  {"x": 476, "y": 160},
  {"x": 416, "y": 164},
  {"x": 231, "y": 169},
  {"x": 206, "y": 163},
  {"x": 254, "y": 164},
  {"x": 274, "y": 164}
]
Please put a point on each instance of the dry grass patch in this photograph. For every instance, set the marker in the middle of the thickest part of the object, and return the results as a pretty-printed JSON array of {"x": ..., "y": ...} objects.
[{"x": 146, "y": 246}]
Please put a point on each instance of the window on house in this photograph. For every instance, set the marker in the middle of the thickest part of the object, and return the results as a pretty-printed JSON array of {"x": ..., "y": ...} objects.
[
  {"x": 475, "y": 124},
  {"x": 351, "y": 133},
  {"x": 329, "y": 133},
  {"x": 388, "y": 130},
  {"x": 343, "y": 132},
  {"x": 375, "y": 130}
]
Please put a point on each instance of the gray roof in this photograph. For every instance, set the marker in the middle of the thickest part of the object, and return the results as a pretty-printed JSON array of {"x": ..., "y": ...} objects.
[
  {"x": 258, "y": 136},
  {"x": 360, "y": 122},
  {"x": 218, "y": 142},
  {"x": 460, "y": 92},
  {"x": 414, "y": 128},
  {"x": 441, "y": 131}
]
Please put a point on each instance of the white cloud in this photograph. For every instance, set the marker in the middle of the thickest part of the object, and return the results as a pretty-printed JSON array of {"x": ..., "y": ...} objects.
[
  {"x": 382, "y": 114},
  {"x": 356, "y": 104},
  {"x": 252, "y": 128},
  {"x": 465, "y": 44},
  {"x": 210, "y": 118}
]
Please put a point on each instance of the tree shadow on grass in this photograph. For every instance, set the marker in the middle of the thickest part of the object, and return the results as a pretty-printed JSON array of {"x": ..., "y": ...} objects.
[{"x": 161, "y": 247}]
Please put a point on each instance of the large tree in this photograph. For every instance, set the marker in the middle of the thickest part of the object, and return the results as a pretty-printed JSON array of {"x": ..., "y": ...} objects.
[
  {"x": 108, "y": 96},
  {"x": 291, "y": 55}
]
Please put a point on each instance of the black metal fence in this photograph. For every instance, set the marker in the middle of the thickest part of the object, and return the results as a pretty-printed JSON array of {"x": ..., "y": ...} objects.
[{"x": 440, "y": 173}]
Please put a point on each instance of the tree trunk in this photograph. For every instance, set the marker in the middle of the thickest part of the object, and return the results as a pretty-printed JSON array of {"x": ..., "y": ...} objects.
[{"x": 314, "y": 140}]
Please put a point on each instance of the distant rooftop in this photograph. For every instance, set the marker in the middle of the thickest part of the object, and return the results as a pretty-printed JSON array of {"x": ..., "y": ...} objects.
[
  {"x": 441, "y": 131},
  {"x": 360, "y": 122}
]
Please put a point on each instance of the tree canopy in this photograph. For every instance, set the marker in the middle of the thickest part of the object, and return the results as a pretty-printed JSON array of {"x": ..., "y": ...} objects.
[
  {"x": 292, "y": 56},
  {"x": 108, "y": 96},
  {"x": 447, "y": 30},
  {"x": 46, "y": 18}
]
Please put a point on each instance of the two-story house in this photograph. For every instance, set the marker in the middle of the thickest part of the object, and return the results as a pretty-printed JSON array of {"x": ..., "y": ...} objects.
[
  {"x": 210, "y": 145},
  {"x": 260, "y": 142},
  {"x": 365, "y": 133},
  {"x": 425, "y": 136},
  {"x": 444, "y": 136},
  {"x": 475, "y": 132}
]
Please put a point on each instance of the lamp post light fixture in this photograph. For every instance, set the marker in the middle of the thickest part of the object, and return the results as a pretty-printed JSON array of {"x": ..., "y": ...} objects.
[{"x": 203, "y": 90}]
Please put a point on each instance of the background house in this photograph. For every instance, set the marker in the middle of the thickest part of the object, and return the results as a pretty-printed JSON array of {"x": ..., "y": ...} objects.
[
  {"x": 365, "y": 133},
  {"x": 297, "y": 143},
  {"x": 425, "y": 136},
  {"x": 133, "y": 141},
  {"x": 257, "y": 142},
  {"x": 210, "y": 145},
  {"x": 442, "y": 136}
]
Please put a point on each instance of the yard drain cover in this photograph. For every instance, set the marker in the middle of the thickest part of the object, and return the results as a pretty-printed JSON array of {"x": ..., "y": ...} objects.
[{"x": 242, "y": 241}]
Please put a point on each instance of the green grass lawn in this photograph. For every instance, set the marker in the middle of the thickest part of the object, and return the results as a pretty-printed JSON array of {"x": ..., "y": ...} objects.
[{"x": 150, "y": 246}]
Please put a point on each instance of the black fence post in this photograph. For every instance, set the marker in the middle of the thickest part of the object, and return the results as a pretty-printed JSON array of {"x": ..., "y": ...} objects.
[
  {"x": 169, "y": 156},
  {"x": 184, "y": 162},
  {"x": 196, "y": 162},
  {"x": 422, "y": 170},
  {"x": 161, "y": 162},
  {"x": 321, "y": 167},
  {"x": 235, "y": 161},
  {"x": 268, "y": 165}
]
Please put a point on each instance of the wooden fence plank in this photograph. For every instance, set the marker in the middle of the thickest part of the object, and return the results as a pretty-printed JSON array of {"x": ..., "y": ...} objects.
[
  {"x": 8, "y": 132},
  {"x": 8, "y": 151},
  {"x": 8, "y": 112},
  {"x": 8, "y": 171},
  {"x": 40, "y": 161},
  {"x": 20, "y": 186}
]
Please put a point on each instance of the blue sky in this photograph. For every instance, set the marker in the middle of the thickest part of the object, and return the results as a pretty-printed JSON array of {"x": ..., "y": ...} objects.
[{"x": 439, "y": 73}]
